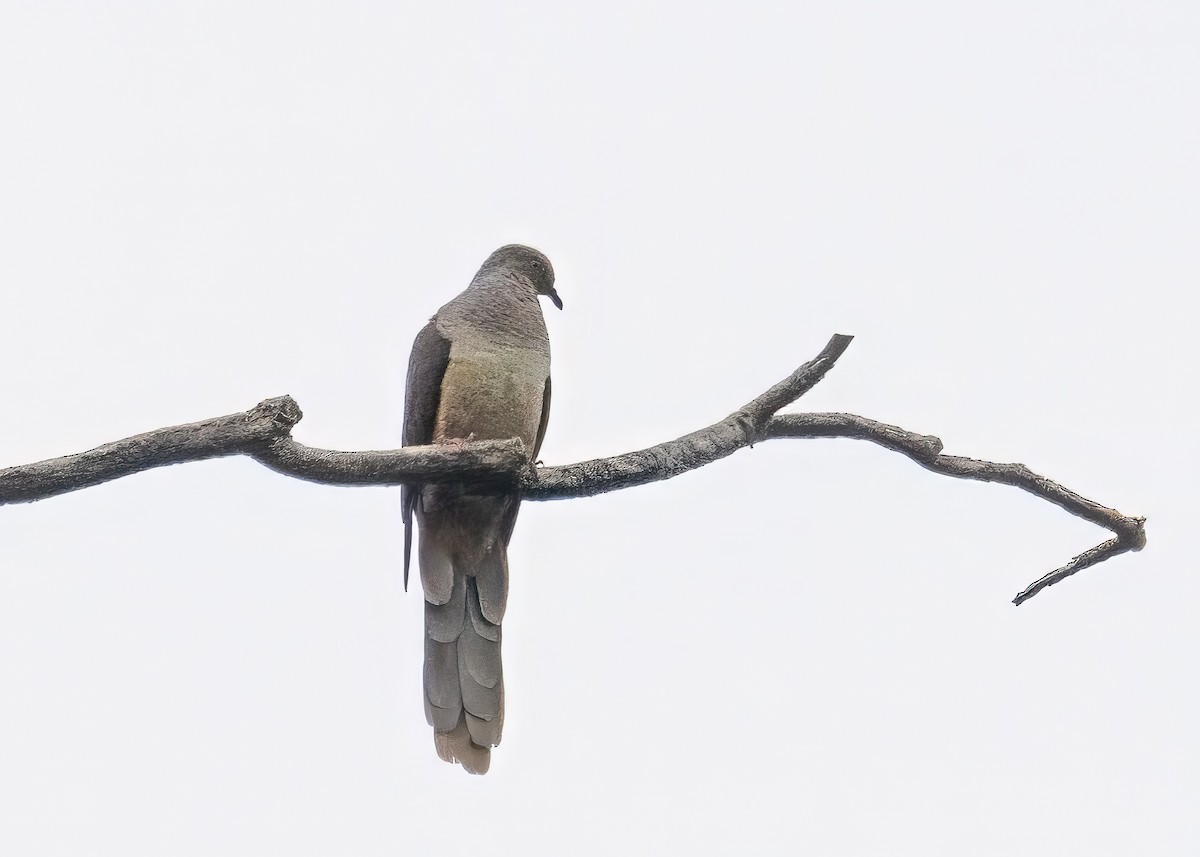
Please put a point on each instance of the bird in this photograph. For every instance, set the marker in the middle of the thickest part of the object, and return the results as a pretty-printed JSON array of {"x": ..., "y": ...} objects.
[{"x": 479, "y": 370}]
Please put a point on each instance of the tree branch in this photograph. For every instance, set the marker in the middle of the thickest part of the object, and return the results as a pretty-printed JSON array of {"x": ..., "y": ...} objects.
[
  {"x": 741, "y": 428},
  {"x": 926, "y": 451},
  {"x": 264, "y": 433}
]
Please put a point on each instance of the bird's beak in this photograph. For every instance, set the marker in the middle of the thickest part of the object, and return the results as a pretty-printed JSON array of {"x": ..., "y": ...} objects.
[{"x": 553, "y": 295}]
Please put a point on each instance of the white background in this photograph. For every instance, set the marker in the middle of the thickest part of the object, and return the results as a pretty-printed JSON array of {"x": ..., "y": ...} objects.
[{"x": 807, "y": 647}]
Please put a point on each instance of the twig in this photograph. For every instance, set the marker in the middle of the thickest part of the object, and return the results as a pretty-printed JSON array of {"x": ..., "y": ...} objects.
[{"x": 926, "y": 451}]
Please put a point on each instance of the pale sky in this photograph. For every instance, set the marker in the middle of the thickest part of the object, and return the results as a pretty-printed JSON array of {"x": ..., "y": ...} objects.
[{"x": 805, "y": 648}]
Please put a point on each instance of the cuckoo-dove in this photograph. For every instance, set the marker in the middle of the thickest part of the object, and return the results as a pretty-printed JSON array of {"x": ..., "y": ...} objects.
[{"x": 479, "y": 370}]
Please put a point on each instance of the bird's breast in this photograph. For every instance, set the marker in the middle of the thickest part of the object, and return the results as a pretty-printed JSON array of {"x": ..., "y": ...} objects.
[{"x": 492, "y": 393}]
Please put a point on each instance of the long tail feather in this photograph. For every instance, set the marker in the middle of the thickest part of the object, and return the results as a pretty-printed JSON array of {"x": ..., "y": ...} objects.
[{"x": 464, "y": 676}]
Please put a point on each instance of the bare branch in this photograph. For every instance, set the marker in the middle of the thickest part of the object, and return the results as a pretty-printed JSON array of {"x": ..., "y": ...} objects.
[
  {"x": 264, "y": 433},
  {"x": 740, "y": 429},
  {"x": 926, "y": 449},
  {"x": 486, "y": 465},
  {"x": 1098, "y": 554},
  {"x": 919, "y": 447},
  {"x": 229, "y": 435}
]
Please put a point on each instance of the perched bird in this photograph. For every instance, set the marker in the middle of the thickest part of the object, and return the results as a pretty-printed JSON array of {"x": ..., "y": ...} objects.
[{"x": 479, "y": 370}]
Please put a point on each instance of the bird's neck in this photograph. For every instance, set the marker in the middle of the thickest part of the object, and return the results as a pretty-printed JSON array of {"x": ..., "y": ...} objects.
[{"x": 510, "y": 313}]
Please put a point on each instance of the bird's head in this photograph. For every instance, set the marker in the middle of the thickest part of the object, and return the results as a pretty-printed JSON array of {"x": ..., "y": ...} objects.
[{"x": 525, "y": 265}]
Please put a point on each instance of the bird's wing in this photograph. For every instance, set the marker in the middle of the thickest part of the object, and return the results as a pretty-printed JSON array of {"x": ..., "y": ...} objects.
[
  {"x": 422, "y": 394},
  {"x": 541, "y": 432}
]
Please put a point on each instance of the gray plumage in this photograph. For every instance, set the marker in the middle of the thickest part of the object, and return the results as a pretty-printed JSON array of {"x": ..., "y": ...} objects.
[{"x": 480, "y": 370}]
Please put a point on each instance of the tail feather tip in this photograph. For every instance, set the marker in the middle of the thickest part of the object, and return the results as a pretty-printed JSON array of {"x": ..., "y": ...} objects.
[{"x": 457, "y": 746}]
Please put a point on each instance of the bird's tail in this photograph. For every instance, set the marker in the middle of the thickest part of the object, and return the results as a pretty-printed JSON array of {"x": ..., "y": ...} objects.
[{"x": 464, "y": 681}]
